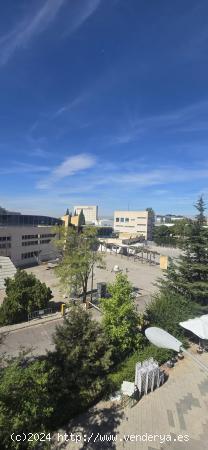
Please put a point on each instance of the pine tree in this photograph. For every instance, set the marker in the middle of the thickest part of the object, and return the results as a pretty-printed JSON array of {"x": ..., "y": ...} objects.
[
  {"x": 81, "y": 220},
  {"x": 189, "y": 276},
  {"x": 67, "y": 212}
]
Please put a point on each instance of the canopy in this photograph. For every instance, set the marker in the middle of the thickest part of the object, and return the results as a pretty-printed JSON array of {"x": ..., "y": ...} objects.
[
  {"x": 198, "y": 326},
  {"x": 162, "y": 339}
]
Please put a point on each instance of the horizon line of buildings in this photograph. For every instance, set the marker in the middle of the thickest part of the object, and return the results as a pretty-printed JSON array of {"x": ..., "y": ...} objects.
[{"x": 26, "y": 239}]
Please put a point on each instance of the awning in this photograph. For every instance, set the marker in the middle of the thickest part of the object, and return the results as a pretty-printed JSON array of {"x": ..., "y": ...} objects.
[{"x": 198, "y": 326}]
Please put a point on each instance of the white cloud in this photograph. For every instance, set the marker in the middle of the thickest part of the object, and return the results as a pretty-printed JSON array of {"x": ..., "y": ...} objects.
[
  {"x": 20, "y": 168},
  {"x": 87, "y": 8},
  {"x": 32, "y": 25},
  {"x": 29, "y": 27},
  {"x": 69, "y": 167}
]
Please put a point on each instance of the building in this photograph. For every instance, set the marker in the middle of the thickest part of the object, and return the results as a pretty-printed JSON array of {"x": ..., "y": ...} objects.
[
  {"x": 105, "y": 222},
  {"x": 167, "y": 219},
  {"x": 90, "y": 213},
  {"x": 134, "y": 223},
  {"x": 26, "y": 239}
]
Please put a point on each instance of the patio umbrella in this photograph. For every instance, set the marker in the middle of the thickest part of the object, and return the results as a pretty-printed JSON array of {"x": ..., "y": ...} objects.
[{"x": 198, "y": 326}]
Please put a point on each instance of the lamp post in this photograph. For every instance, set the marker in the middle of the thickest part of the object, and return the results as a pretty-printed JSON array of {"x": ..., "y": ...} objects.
[{"x": 163, "y": 339}]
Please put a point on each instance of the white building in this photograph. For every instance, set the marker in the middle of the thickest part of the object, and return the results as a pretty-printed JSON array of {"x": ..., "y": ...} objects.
[
  {"x": 134, "y": 223},
  {"x": 90, "y": 212}
]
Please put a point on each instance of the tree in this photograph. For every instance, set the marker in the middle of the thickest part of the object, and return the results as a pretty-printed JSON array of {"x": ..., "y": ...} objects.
[
  {"x": 67, "y": 212},
  {"x": 166, "y": 310},
  {"x": 82, "y": 357},
  {"x": 81, "y": 220},
  {"x": 120, "y": 318},
  {"x": 80, "y": 254},
  {"x": 162, "y": 235},
  {"x": 189, "y": 276},
  {"x": 179, "y": 230},
  {"x": 25, "y": 402},
  {"x": 24, "y": 294}
]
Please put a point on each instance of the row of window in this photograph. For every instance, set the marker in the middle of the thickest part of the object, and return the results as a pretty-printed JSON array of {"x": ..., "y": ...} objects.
[
  {"x": 126, "y": 219},
  {"x": 29, "y": 255},
  {"x": 35, "y": 236},
  {"x": 5, "y": 245},
  {"x": 42, "y": 241},
  {"x": 25, "y": 244},
  {"x": 47, "y": 235},
  {"x": 30, "y": 236},
  {"x": 5, "y": 238}
]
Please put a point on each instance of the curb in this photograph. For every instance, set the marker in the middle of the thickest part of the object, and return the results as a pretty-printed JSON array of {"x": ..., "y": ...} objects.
[{"x": 31, "y": 323}]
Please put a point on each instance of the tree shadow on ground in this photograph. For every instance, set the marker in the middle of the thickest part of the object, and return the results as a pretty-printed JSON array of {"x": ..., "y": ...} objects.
[{"x": 95, "y": 429}]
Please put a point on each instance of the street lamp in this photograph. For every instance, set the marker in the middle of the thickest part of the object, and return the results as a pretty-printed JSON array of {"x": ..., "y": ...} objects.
[{"x": 163, "y": 339}]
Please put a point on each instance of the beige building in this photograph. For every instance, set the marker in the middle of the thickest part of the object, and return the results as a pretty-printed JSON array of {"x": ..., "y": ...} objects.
[
  {"x": 90, "y": 213},
  {"x": 27, "y": 245},
  {"x": 134, "y": 223}
]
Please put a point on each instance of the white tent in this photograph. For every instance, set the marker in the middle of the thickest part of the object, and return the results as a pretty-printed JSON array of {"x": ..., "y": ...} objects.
[{"x": 198, "y": 326}]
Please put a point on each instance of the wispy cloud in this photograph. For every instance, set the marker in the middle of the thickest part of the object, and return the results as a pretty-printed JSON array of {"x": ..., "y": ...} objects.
[
  {"x": 21, "y": 35},
  {"x": 21, "y": 168},
  {"x": 85, "y": 9},
  {"x": 38, "y": 153},
  {"x": 32, "y": 25},
  {"x": 189, "y": 119},
  {"x": 71, "y": 105},
  {"x": 68, "y": 168}
]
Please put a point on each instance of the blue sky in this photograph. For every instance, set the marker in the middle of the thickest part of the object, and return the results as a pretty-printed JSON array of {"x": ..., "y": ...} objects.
[{"x": 103, "y": 102}]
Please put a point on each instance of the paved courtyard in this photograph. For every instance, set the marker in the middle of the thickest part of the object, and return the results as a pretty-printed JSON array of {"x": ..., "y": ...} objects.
[
  {"x": 177, "y": 411},
  {"x": 143, "y": 276}
]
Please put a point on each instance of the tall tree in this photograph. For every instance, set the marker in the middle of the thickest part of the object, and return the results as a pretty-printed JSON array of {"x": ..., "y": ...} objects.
[
  {"x": 120, "y": 318},
  {"x": 24, "y": 294},
  {"x": 67, "y": 212},
  {"x": 81, "y": 220},
  {"x": 80, "y": 254},
  {"x": 82, "y": 358},
  {"x": 189, "y": 276}
]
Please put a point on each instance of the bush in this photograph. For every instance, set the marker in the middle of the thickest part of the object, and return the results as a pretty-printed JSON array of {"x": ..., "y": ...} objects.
[
  {"x": 167, "y": 310},
  {"x": 24, "y": 294},
  {"x": 126, "y": 371}
]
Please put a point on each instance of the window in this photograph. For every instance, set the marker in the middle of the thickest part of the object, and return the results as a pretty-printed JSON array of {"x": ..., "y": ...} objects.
[
  {"x": 30, "y": 236},
  {"x": 126, "y": 219},
  {"x": 117, "y": 219},
  {"x": 29, "y": 255},
  {"x": 45, "y": 241},
  {"x": 122, "y": 219},
  {"x": 24, "y": 244},
  {"x": 5, "y": 245},
  {"x": 5, "y": 238}
]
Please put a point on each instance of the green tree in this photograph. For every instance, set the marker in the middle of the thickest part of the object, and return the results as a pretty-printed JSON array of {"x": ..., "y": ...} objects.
[
  {"x": 189, "y": 275},
  {"x": 25, "y": 402},
  {"x": 82, "y": 357},
  {"x": 162, "y": 235},
  {"x": 81, "y": 220},
  {"x": 179, "y": 231},
  {"x": 80, "y": 254},
  {"x": 120, "y": 318},
  {"x": 24, "y": 294},
  {"x": 166, "y": 310},
  {"x": 67, "y": 212}
]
